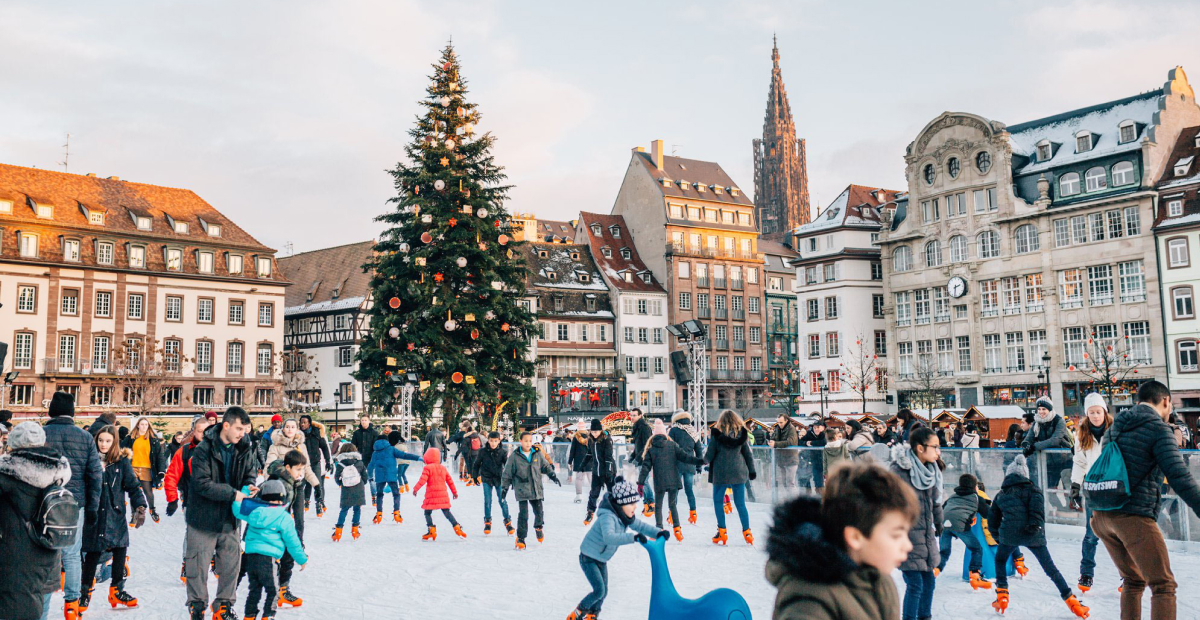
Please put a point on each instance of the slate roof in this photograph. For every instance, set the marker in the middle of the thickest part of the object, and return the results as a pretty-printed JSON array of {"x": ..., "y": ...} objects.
[
  {"x": 554, "y": 230},
  {"x": 612, "y": 267},
  {"x": 706, "y": 173},
  {"x": 856, "y": 206},
  {"x": 327, "y": 279},
  {"x": 1103, "y": 120},
  {"x": 777, "y": 256},
  {"x": 1173, "y": 187},
  {"x": 568, "y": 281}
]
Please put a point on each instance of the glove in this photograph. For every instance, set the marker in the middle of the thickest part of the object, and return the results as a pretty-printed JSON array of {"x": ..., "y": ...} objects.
[
  {"x": 639, "y": 538},
  {"x": 456, "y": 496},
  {"x": 663, "y": 534},
  {"x": 1027, "y": 450},
  {"x": 641, "y": 490},
  {"x": 556, "y": 480},
  {"x": 1031, "y": 529},
  {"x": 172, "y": 507},
  {"x": 1076, "y": 497},
  {"x": 139, "y": 517},
  {"x": 753, "y": 475}
]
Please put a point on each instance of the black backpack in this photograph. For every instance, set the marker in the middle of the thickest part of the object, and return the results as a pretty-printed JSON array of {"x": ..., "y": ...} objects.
[{"x": 56, "y": 523}]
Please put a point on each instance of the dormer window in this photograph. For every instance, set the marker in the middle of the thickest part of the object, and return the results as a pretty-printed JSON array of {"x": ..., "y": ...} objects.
[
  {"x": 646, "y": 277},
  {"x": 1128, "y": 131},
  {"x": 628, "y": 276},
  {"x": 683, "y": 184},
  {"x": 666, "y": 182},
  {"x": 716, "y": 189},
  {"x": 700, "y": 187},
  {"x": 615, "y": 230},
  {"x": 590, "y": 303},
  {"x": 626, "y": 254},
  {"x": 1044, "y": 151},
  {"x": 574, "y": 255},
  {"x": 1083, "y": 141},
  {"x": 96, "y": 218},
  {"x": 606, "y": 251},
  {"x": 264, "y": 267},
  {"x": 583, "y": 277},
  {"x": 543, "y": 254},
  {"x": 181, "y": 228},
  {"x": 45, "y": 212},
  {"x": 733, "y": 191},
  {"x": 6, "y": 206},
  {"x": 558, "y": 303},
  {"x": 143, "y": 222},
  {"x": 551, "y": 275},
  {"x": 596, "y": 229},
  {"x": 1183, "y": 166}
]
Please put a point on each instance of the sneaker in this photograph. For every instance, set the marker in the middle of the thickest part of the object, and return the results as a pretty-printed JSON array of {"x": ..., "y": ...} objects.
[
  {"x": 354, "y": 533},
  {"x": 337, "y": 534},
  {"x": 978, "y": 582},
  {"x": 431, "y": 534},
  {"x": 720, "y": 538},
  {"x": 1085, "y": 583},
  {"x": 537, "y": 531},
  {"x": 1001, "y": 602},
  {"x": 287, "y": 598},
  {"x": 117, "y": 596},
  {"x": 1076, "y": 607}
]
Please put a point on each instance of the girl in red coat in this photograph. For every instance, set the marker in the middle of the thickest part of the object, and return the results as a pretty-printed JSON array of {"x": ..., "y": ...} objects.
[{"x": 435, "y": 478}]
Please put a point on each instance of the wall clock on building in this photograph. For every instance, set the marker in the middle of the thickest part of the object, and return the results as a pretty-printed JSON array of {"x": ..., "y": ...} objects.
[{"x": 957, "y": 287}]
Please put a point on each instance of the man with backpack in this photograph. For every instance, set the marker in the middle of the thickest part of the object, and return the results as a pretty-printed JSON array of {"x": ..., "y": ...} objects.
[
  {"x": 1142, "y": 444},
  {"x": 87, "y": 476}
]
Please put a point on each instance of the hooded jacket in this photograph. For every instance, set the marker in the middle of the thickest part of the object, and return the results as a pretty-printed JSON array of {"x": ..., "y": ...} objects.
[
  {"x": 317, "y": 449},
  {"x": 834, "y": 452},
  {"x": 29, "y": 569},
  {"x": 524, "y": 474},
  {"x": 923, "y": 534},
  {"x": 110, "y": 528},
  {"x": 604, "y": 460},
  {"x": 281, "y": 444},
  {"x": 1047, "y": 434},
  {"x": 638, "y": 436},
  {"x": 364, "y": 439},
  {"x": 729, "y": 459},
  {"x": 214, "y": 481},
  {"x": 611, "y": 530},
  {"x": 1148, "y": 446},
  {"x": 1018, "y": 513},
  {"x": 959, "y": 511},
  {"x": 383, "y": 461},
  {"x": 436, "y": 480},
  {"x": 489, "y": 466},
  {"x": 666, "y": 459},
  {"x": 175, "y": 483},
  {"x": 79, "y": 448},
  {"x": 351, "y": 495},
  {"x": 685, "y": 436},
  {"x": 815, "y": 579},
  {"x": 270, "y": 529},
  {"x": 579, "y": 457}
]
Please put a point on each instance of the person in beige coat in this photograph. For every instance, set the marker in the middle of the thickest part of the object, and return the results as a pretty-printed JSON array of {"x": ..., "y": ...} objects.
[{"x": 284, "y": 440}]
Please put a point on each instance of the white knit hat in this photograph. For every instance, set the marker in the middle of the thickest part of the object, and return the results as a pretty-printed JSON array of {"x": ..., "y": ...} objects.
[
  {"x": 26, "y": 435},
  {"x": 1094, "y": 400}
]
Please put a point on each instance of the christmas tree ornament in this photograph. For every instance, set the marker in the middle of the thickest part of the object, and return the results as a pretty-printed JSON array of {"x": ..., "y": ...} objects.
[
  {"x": 482, "y": 212},
  {"x": 445, "y": 161},
  {"x": 458, "y": 131},
  {"x": 441, "y": 387},
  {"x": 420, "y": 261},
  {"x": 461, "y": 262},
  {"x": 457, "y": 377},
  {"x": 467, "y": 192},
  {"x": 445, "y": 101},
  {"x": 416, "y": 189},
  {"x": 483, "y": 246},
  {"x": 450, "y": 143},
  {"x": 490, "y": 315},
  {"x": 424, "y": 385},
  {"x": 498, "y": 285},
  {"x": 394, "y": 303},
  {"x": 452, "y": 222},
  {"x": 427, "y": 219},
  {"x": 411, "y": 346},
  {"x": 454, "y": 86},
  {"x": 426, "y": 237},
  {"x": 466, "y": 209},
  {"x": 474, "y": 334},
  {"x": 404, "y": 248},
  {"x": 505, "y": 327},
  {"x": 497, "y": 223},
  {"x": 470, "y": 317},
  {"x": 470, "y": 380},
  {"x": 391, "y": 361},
  {"x": 510, "y": 254},
  {"x": 439, "y": 185},
  {"x": 503, "y": 239},
  {"x": 394, "y": 332},
  {"x": 462, "y": 112},
  {"x": 438, "y": 277}
]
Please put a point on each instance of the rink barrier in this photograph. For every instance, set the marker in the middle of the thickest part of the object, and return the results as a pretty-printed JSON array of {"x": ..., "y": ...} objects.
[{"x": 787, "y": 472}]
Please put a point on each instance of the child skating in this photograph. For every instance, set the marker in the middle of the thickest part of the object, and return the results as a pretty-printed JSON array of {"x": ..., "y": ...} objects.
[
  {"x": 270, "y": 533},
  {"x": 667, "y": 460},
  {"x": 958, "y": 515},
  {"x": 523, "y": 472},
  {"x": 351, "y": 476},
  {"x": 1018, "y": 518},
  {"x": 489, "y": 470},
  {"x": 437, "y": 480},
  {"x": 384, "y": 472},
  {"x": 615, "y": 516}
]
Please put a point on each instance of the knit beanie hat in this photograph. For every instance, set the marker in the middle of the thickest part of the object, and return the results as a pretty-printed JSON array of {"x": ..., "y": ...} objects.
[
  {"x": 1044, "y": 402},
  {"x": 660, "y": 428},
  {"x": 26, "y": 435},
  {"x": 62, "y": 404},
  {"x": 596, "y": 425},
  {"x": 395, "y": 437},
  {"x": 272, "y": 491},
  {"x": 211, "y": 415},
  {"x": 1094, "y": 400},
  {"x": 276, "y": 418},
  {"x": 625, "y": 492},
  {"x": 1018, "y": 467}
]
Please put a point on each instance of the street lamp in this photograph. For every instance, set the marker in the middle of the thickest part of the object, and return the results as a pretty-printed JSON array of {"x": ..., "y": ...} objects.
[
  {"x": 1046, "y": 367},
  {"x": 821, "y": 390},
  {"x": 9, "y": 378}
]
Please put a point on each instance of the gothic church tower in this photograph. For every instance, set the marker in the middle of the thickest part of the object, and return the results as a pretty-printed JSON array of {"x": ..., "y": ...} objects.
[{"x": 780, "y": 172}]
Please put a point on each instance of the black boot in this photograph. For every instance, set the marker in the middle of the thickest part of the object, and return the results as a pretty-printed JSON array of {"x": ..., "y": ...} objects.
[
  {"x": 154, "y": 515},
  {"x": 196, "y": 610}
]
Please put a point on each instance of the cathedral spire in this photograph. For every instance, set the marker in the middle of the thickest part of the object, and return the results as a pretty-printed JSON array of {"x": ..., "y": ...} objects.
[{"x": 780, "y": 170}]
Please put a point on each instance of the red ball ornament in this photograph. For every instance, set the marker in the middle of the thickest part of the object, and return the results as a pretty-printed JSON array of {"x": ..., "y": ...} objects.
[
  {"x": 457, "y": 377},
  {"x": 474, "y": 334},
  {"x": 503, "y": 239},
  {"x": 394, "y": 303},
  {"x": 426, "y": 237}
]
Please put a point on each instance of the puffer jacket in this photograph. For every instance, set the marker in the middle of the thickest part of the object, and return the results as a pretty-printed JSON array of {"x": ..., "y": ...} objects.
[
  {"x": 729, "y": 459},
  {"x": 611, "y": 530},
  {"x": 351, "y": 495},
  {"x": 383, "y": 466},
  {"x": 270, "y": 529},
  {"x": 317, "y": 449},
  {"x": 815, "y": 579},
  {"x": 211, "y": 490},
  {"x": 79, "y": 448},
  {"x": 364, "y": 439},
  {"x": 29, "y": 569},
  {"x": 1048, "y": 434},
  {"x": 1148, "y": 445},
  {"x": 281, "y": 444},
  {"x": 638, "y": 436},
  {"x": 833, "y": 453},
  {"x": 685, "y": 436},
  {"x": 489, "y": 466},
  {"x": 1018, "y": 513},
  {"x": 923, "y": 534},
  {"x": 579, "y": 457},
  {"x": 110, "y": 529},
  {"x": 666, "y": 459},
  {"x": 435, "y": 477},
  {"x": 604, "y": 460},
  {"x": 524, "y": 474},
  {"x": 959, "y": 511}
]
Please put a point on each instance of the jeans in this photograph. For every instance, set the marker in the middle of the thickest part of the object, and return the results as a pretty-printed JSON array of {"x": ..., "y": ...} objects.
[
  {"x": 342, "y": 516},
  {"x": 973, "y": 548},
  {"x": 597, "y": 576},
  {"x": 689, "y": 476},
  {"x": 395, "y": 487},
  {"x": 72, "y": 562},
  {"x": 1043, "y": 557},
  {"x": 261, "y": 571},
  {"x": 739, "y": 501},
  {"x": 402, "y": 473},
  {"x": 918, "y": 595},
  {"x": 1087, "y": 565},
  {"x": 487, "y": 502},
  {"x": 523, "y": 516},
  {"x": 598, "y": 484},
  {"x": 1136, "y": 547}
]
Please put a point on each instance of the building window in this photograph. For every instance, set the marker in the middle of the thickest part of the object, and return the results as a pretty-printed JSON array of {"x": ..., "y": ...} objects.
[
  {"x": 755, "y": 335},
  {"x": 562, "y": 332},
  {"x": 814, "y": 309},
  {"x": 23, "y": 350},
  {"x": 903, "y": 309},
  {"x": 1011, "y": 289},
  {"x": 205, "y": 262},
  {"x": 960, "y": 312},
  {"x": 877, "y": 306},
  {"x": 1133, "y": 282},
  {"x": 1027, "y": 239},
  {"x": 1015, "y": 347},
  {"x": 921, "y": 306},
  {"x": 171, "y": 359},
  {"x": 1128, "y": 131},
  {"x": 963, "y": 344},
  {"x": 1122, "y": 174},
  {"x": 264, "y": 397},
  {"x": 958, "y": 250},
  {"x": 1073, "y": 346},
  {"x": 685, "y": 301},
  {"x": 203, "y": 357},
  {"x": 989, "y": 244},
  {"x": 265, "y": 353},
  {"x": 1175, "y": 208},
  {"x": 233, "y": 358},
  {"x": 71, "y": 250},
  {"x": 930, "y": 173},
  {"x": 1133, "y": 224},
  {"x": 1083, "y": 142},
  {"x": 233, "y": 263},
  {"x": 234, "y": 396},
  {"x": 831, "y": 307},
  {"x": 174, "y": 259},
  {"x": 945, "y": 353},
  {"x": 905, "y": 366},
  {"x": 880, "y": 343},
  {"x": 1033, "y": 292},
  {"x": 70, "y": 302},
  {"x": 345, "y": 356},
  {"x": 104, "y": 304},
  {"x": 902, "y": 259},
  {"x": 983, "y": 161},
  {"x": 814, "y": 345},
  {"x": 1095, "y": 179},
  {"x": 933, "y": 254},
  {"x": 953, "y": 167},
  {"x": 1186, "y": 352},
  {"x": 1062, "y": 233},
  {"x": 1070, "y": 288},
  {"x": 104, "y": 253},
  {"x": 204, "y": 311},
  {"x": 1181, "y": 298},
  {"x": 66, "y": 353},
  {"x": 266, "y": 314},
  {"x": 1177, "y": 251},
  {"x": 991, "y": 353},
  {"x": 1138, "y": 335},
  {"x": 137, "y": 257},
  {"x": 26, "y": 299},
  {"x": 264, "y": 267},
  {"x": 174, "y": 309},
  {"x": 989, "y": 297},
  {"x": 831, "y": 272},
  {"x": 202, "y": 396},
  {"x": 28, "y": 245},
  {"x": 832, "y": 346},
  {"x": 1044, "y": 151},
  {"x": 236, "y": 312}
]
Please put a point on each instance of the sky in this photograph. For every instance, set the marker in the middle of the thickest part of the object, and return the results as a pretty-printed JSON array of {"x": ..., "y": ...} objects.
[{"x": 286, "y": 115}]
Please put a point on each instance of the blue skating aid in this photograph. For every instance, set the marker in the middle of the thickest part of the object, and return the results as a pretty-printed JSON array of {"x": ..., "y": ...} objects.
[
  {"x": 989, "y": 556},
  {"x": 667, "y": 604}
]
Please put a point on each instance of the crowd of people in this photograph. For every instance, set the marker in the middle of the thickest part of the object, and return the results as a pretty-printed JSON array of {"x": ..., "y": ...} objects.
[{"x": 878, "y": 501}]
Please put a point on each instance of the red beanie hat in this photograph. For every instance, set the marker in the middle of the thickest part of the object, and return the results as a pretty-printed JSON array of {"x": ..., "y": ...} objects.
[{"x": 276, "y": 418}]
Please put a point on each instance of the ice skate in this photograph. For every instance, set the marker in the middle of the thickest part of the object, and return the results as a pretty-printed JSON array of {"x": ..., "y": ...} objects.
[
  {"x": 396, "y": 516},
  {"x": 648, "y": 509},
  {"x": 692, "y": 517},
  {"x": 540, "y": 535},
  {"x": 1076, "y": 607},
  {"x": 749, "y": 537},
  {"x": 154, "y": 515},
  {"x": 487, "y": 527},
  {"x": 85, "y": 600},
  {"x": 588, "y": 519},
  {"x": 520, "y": 545},
  {"x": 196, "y": 610},
  {"x": 320, "y": 510},
  {"x": 71, "y": 610},
  {"x": 183, "y": 573},
  {"x": 287, "y": 598},
  {"x": 378, "y": 518},
  {"x": 1019, "y": 564},
  {"x": 354, "y": 533},
  {"x": 936, "y": 572},
  {"x": 117, "y": 596},
  {"x": 669, "y": 520},
  {"x": 224, "y": 611},
  {"x": 977, "y": 581},
  {"x": 1001, "y": 602},
  {"x": 720, "y": 538},
  {"x": 508, "y": 526},
  {"x": 578, "y": 499},
  {"x": 575, "y": 615},
  {"x": 337, "y": 534},
  {"x": 678, "y": 533},
  {"x": 1085, "y": 583},
  {"x": 458, "y": 530},
  {"x": 431, "y": 535}
]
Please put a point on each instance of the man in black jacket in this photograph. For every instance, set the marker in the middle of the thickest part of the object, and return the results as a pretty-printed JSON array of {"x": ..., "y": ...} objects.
[
  {"x": 317, "y": 449},
  {"x": 364, "y": 439},
  {"x": 222, "y": 464},
  {"x": 640, "y": 435},
  {"x": 1130, "y": 533},
  {"x": 87, "y": 477}
]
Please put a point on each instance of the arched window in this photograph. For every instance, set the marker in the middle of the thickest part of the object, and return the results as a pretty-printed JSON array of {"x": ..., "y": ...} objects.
[
  {"x": 930, "y": 174},
  {"x": 1026, "y": 238},
  {"x": 952, "y": 167},
  {"x": 958, "y": 249},
  {"x": 1122, "y": 173},
  {"x": 933, "y": 254},
  {"x": 1095, "y": 179},
  {"x": 902, "y": 259},
  {"x": 989, "y": 244},
  {"x": 1068, "y": 184}
]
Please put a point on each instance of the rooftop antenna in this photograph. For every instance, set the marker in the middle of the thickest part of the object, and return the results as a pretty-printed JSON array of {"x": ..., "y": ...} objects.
[
  {"x": 66, "y": 154},
  {"x": 287, "y": 246},
  {"x": 675, "y": 149}
]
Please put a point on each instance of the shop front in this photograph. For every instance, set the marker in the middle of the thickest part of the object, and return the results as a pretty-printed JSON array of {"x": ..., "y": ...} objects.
[{"x": 576, "y": 398}]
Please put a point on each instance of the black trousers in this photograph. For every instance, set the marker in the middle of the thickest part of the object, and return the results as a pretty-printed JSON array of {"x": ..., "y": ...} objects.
[
  {"x": 91, "y": 560},
  {"x": 261, "y": 571},
  {"x": 320, "y": 491},
  {"x": 287, "y": 562},
  {"x": 598, "y": 484},
  {"x": 671, "y": 500},
  {"x": 445, "y": 511},
  {"x": 523, "y": 516}
]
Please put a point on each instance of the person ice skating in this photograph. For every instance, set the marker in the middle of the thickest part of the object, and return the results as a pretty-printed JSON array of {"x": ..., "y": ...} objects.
[
  {"x": 437, "y": 480},
  {"x": 579, "y": 460},
  {"x": 1089, "y": 432},
  {"x": 917, "y": 462},
  {"x": 109, "y": 530},
  {"x": 435, "y": 438},
  {"x": 639, "y": 435},
  {"x": 666, "y": 460},
  {"x": 291, "y": 471},
  {"x": 730, "y": 466},
  {"x": 351, "y": 476},
  {"x": 832, "y": 558},
  {"x": 685, "y": 434},
  {"x": 604, "y": 465},
  {"x": 270, "y": 535},
  {"x": 523, "y": 473},
  {"x": 147, "y": 459},
  {"x": 615, "y": 517},
  {"x": 386, "y": 475},
  {"x": 489, "y": 470},
  {"x": 28, "y": 468},
  {"x": 836, "y": 450},
  {"x": 1017, "y": 519},
  {"x": 1130, "y": 533},
  {"x": 319, "y": 458},
  {"x": 784, "y": 437},
  {"x": 959, "y": 514},
  {"x": 179, "y": 472},
  {"x": 1049, "y": 432}
]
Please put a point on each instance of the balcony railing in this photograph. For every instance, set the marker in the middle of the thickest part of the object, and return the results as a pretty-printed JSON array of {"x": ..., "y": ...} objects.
[
  {"x": 702, "y": 282},
  {"x": 572, "y": 371},
  {"x": 1030, "y": 308},
  {"x": 739, "y": 345},
  {"x": 722, "y": 313},
  {"x": 940, "y": 318},
  {"x": 739, "y": 315},
  {"x": 735, "y": 375},
  {"x": 1129, "y": 298},
  {"x": 704, "y": 313},
  {"x": 722, "y": 344},
  {"x": 736, "y": 285},
  {"x": 990, "y": 312},
  {"x": 718, "y": 282},
  {"x": 76, "y": 366}
]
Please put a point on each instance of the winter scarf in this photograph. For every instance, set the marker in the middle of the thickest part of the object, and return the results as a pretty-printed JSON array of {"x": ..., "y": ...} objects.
[
  {"x": 689, "y": 429},
  {"x": 922, "y": 475}
]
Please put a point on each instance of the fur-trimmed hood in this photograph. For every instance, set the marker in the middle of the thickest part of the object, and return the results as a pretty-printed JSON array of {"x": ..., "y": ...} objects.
[
  {"x": 797, "y": 547},
  {"x": 37, "y": 467},
  {"x": 346, "y": 457},
  {"x": 280, "y": 439},
  {"x": 899, "y": 456}
]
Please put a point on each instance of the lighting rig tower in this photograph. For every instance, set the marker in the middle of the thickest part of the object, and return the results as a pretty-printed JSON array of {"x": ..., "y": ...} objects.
[{"x": 693, "y": 336}]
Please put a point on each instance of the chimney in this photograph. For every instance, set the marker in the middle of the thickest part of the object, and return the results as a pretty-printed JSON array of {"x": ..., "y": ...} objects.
[
  {"x": 91, "y": 174},
  {"x": 114, "y": 178},
  {"x": 656, "y": 153}
]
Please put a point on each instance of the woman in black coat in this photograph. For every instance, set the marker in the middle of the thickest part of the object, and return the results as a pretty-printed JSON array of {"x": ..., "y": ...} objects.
[
  {"x": 667, "y": 460},
  {"x": 579, "y": 459},
  {"x": 109, "y": 529}
]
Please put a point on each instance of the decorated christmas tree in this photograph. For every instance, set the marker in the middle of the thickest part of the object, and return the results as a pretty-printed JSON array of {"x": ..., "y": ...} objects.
[{"x": 447, "y": 275}]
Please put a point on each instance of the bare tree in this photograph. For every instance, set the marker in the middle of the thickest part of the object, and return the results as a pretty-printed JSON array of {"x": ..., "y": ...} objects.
[
  {"x": 929, "y": 384},
  {"x": 1109, "y": 363},
  {"x": 145, "y": 373},
  {"x": 862, "y": 369},
  {"x": 299, "y": 385}
]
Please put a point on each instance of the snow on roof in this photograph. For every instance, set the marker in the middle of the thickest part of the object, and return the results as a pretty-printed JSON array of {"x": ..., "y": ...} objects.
[
  {"x": 1000, "y": 412},
  {"x": 1191, "y": 218},
  {"x": 1102, "y": 120},
  {"x": 346, "y": 303},
  {"x": 857, "y": 205}
]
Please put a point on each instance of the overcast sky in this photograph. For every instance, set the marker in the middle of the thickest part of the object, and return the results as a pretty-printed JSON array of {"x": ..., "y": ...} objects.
[{"x": 285, "y": 115}]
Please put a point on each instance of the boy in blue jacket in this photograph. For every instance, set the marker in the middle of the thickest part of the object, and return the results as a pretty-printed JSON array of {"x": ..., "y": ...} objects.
[
  {"x": 614, "y": 518},
  {"x": 270, "y": 531},
  {"x": 384, "y": 472}
]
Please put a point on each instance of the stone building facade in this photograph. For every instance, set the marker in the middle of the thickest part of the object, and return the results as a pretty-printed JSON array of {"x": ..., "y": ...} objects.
[{"x": 780, "y": 168}]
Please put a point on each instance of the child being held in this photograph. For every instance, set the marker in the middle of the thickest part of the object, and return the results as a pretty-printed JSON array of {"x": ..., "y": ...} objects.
[
  {"x": 959, "y": 514},
  {"x": 270, "y": 532},
  {"x": 833, "y": 558}
]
